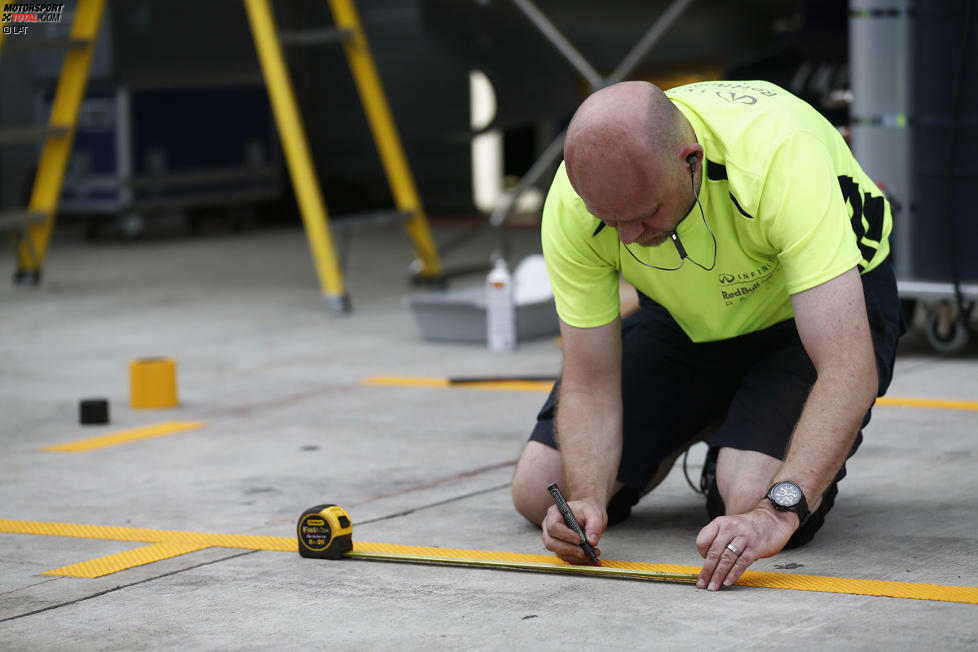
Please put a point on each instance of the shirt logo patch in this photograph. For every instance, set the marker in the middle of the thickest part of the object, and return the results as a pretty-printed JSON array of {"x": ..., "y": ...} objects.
[
  {"x": 738, "y": 286},
  {"x": 734, "y": 98}
]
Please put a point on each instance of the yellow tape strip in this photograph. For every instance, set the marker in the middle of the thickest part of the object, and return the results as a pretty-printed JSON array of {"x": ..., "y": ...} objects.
[
  {"x": 411, "y": 381},
  {"x": 546, "y": 386},
  {"x": 125, "y": 436},
  {"x": 967, "y": 594},
  {"x": 123, "y": 560},
  {"x": 927, "y": 403},
  {"x": 174, "y": 542},
  {"x": 882, "y": 588},
  {"x": 113, "y": 533}
]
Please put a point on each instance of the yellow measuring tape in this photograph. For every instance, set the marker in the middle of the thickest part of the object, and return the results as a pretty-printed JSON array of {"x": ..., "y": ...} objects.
[{"x": 165, "y": 544}]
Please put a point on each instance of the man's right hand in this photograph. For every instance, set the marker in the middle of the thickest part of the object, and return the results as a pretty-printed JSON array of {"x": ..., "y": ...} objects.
[
  {"x": 563, "y": 541},
  {"x": 589, "y": 426}
]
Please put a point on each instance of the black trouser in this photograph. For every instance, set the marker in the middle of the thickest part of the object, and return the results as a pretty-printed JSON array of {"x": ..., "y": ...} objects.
[{"x": 757, "y": 384}]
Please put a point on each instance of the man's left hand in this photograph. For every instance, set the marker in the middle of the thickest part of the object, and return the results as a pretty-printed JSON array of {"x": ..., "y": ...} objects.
[{"x": 761, "y": 532}]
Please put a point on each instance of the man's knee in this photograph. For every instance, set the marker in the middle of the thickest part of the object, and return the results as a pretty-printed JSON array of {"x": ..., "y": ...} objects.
[
  {"x": 538, "y": 466},
  {"x": 739, "y": 493},
  {"x": 743, "y": 478}
]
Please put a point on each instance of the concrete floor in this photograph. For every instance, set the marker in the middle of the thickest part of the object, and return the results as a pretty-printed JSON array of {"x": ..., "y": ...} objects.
[{"x": 276, "y": 379}]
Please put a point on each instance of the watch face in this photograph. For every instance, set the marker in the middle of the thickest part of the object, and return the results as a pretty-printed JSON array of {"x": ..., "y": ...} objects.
[{"x": 786, "y": 494}]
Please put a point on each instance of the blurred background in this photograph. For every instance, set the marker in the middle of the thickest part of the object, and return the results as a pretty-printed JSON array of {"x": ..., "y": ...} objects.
[{"x": 176, "y": 136}]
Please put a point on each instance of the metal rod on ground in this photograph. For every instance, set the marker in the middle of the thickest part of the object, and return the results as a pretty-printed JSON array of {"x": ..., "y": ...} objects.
[
  {"x": 540, "y": 567},
  {"x": 463, "y": 380}
]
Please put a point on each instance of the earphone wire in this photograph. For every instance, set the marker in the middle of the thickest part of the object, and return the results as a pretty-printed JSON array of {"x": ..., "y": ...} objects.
[{"x": 683, "y": 255}]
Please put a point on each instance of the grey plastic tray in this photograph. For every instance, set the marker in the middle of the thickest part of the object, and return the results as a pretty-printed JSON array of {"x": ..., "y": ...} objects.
[{"x": 459, "y": 315}]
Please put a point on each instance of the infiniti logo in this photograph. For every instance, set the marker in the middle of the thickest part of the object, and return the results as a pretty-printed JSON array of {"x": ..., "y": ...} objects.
[
  {"x": 726, "y": 279},
  {"x": 733, "y": 98}
]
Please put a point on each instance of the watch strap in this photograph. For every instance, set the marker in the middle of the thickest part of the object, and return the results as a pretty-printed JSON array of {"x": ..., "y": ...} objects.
[{"x": 800, "y": 508}]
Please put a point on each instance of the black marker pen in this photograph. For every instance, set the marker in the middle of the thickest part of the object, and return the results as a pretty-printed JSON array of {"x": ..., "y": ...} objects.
[{"x": 571, "y": 522}]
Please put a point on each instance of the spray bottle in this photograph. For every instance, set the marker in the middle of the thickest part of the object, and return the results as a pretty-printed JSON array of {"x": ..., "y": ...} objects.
[{"x": 500, "y": 309}]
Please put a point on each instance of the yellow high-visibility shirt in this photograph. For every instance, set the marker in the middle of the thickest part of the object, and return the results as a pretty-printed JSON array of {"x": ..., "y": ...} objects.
[{"x": 788, "y": 204}]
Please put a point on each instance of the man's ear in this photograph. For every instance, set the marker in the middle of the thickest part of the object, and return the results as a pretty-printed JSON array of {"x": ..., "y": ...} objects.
[{"x": 692, "y": 154}]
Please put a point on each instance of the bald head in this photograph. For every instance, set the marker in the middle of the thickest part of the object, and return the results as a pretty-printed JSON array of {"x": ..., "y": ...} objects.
[{"x": 621, "y": 139}]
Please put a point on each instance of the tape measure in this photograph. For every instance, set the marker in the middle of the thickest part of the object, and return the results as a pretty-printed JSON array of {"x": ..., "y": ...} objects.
[{"x": 325, "y": 532}]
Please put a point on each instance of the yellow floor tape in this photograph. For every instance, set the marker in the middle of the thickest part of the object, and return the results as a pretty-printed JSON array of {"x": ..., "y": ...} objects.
[
  {"x": 125, "y": 436},
  {"x": 170, "y": 543},
  {"x": 546, "y": 386},
  {"x": 128, "y": 559},
  {"x": 936, "y": 404}
]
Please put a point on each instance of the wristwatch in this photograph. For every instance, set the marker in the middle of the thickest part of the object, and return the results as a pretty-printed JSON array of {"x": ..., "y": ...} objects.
[{"x": 786, "y": 496}]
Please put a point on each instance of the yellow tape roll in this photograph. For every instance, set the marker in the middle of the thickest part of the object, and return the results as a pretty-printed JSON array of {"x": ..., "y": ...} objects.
[{"x": 153, "y": 383}]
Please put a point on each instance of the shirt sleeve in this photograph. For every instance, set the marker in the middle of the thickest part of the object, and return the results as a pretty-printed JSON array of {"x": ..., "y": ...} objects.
[
  {"x": 581, "y": 266},
  {"x": 809, "y": 224}
]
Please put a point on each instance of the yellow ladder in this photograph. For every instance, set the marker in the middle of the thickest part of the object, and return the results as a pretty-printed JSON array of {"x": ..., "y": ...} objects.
[
  {"x": 35, "y": 223},
  {"x": 296, "y": 147}
]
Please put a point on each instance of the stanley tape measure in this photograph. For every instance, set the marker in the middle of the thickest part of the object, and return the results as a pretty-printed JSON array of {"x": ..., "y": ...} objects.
[{"x": 325, "y": 532}]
